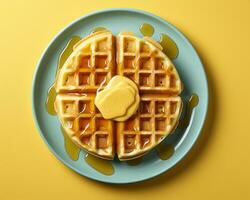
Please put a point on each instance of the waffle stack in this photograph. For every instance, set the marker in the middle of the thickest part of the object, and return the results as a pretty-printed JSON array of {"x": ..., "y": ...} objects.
[{"x": 90, "y": 67}]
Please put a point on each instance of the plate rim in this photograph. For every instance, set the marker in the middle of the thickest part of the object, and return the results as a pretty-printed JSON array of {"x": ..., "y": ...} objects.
[{"x": 34, "y": 83}]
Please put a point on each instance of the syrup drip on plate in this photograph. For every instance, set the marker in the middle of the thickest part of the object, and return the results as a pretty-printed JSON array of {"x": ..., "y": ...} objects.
[
  {"x": 67, "y": 51},
  {"x": 50, "y": 100},
  {"x": 71, "y": 149},
  {"x": 103, "y": 166},
  {"x": 62, "y": 58},
  {"x": 164, "y": 151},
  {"x": 192, "y": 103},
  {"x": 169, "y": 46},
  {"x": 135, "y": 161},
  {"x": 96, "y": 29},
  {"x": 147, "y": 29}
]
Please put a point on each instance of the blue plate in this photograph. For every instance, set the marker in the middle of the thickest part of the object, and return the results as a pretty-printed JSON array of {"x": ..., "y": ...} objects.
[{"x": 187, "y": 63}]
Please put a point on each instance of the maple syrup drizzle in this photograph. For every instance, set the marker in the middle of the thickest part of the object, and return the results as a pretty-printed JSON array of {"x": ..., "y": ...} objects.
[
  {"x": 70, "y": 147},
  {"x": 169, "y": 46},
  {"x": 135, "y": 161},
  {"x": 97, "y": 29},
  {"x": 192, "y": 103},
  {"x": 147, "y": 29},
  {"x": 103, "y": 166},
  {"x": 164, "y": 151}
]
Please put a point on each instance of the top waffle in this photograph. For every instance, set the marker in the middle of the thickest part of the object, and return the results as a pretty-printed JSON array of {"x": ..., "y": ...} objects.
[{"x": 90, "y": 67}]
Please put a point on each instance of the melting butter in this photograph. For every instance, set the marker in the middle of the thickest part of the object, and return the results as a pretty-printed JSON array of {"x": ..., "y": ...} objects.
[
  {"x": 115, "y": 101},
  {"x": 119, "y": 100},
  {"x": 131, "y": 110}
]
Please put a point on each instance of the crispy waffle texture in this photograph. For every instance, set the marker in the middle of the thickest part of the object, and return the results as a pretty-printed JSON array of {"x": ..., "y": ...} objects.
[
  {"x": 85, "y": 124},
  {"x": 159, "y": 85},
  {"x": 90, "y": 67},
  {"x": 156, "y": 117},
  {"x": 142, "y": 61}
]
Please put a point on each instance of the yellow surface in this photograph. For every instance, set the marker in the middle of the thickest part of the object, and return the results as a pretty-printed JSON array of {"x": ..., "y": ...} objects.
[
  {"x": 119, "y": 89},
  {"x": 219, "y": 165}
]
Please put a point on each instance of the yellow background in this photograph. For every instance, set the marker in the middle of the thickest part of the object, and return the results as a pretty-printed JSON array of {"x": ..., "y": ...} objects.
[{"x": 219, "y": 165}]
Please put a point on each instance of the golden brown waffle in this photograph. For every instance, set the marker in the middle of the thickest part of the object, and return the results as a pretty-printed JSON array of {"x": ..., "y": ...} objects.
[
  {"x": 89, "y": 68},
  {"x": 85, "y": 124},
  {"x": 156, "y": 117},
  {"x": 159, "y": 85},
  {"x": 142, "y": 61}
]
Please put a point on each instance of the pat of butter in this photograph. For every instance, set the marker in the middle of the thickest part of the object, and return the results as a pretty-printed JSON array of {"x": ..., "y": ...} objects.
[
  {"x": 119, "y": 100},
  {"x": 102, "y": 94},
  {"x": 115, "y": 102}
]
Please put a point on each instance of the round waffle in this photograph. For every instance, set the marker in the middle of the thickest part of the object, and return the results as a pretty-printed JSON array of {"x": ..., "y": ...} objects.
[{"x": 90, "y": 67}]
